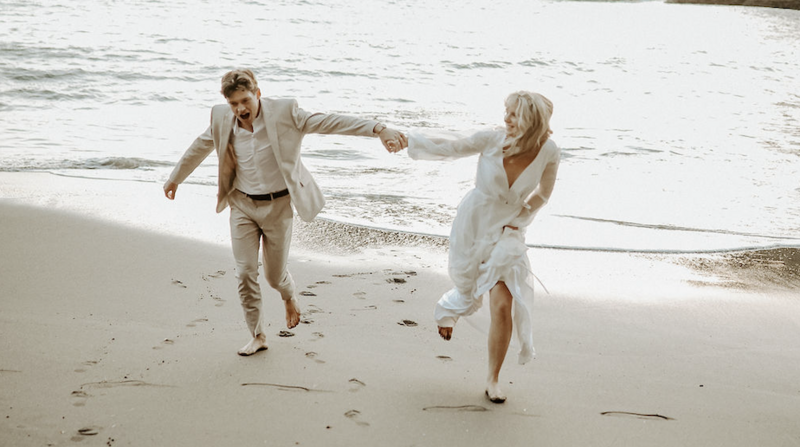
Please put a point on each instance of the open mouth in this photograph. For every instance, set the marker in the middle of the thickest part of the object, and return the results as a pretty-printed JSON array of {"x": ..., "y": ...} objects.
[{"x": 244, "y": 116}]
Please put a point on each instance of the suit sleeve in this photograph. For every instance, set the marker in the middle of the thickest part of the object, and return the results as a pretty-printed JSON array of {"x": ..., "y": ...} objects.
[
  {"x": 331, "y": 123},
  {"x": 191, "y": 159}
]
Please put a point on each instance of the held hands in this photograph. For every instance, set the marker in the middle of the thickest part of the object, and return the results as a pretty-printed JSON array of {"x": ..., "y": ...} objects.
[{"x": 393, "y": 140}]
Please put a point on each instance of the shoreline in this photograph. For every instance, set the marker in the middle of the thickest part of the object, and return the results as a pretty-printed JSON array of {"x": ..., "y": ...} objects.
[
  {"x": 141, "y": 204},
  {"x": 779, "y": 4}
]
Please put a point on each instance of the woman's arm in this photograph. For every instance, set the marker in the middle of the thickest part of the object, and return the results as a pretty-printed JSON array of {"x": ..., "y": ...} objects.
[
  {"x": 539, "y": 197},
  {"x": 421, "y": 147}
]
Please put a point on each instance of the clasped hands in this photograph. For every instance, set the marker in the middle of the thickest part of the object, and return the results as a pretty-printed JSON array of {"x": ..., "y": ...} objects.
[{"x": 393, "y": 140}]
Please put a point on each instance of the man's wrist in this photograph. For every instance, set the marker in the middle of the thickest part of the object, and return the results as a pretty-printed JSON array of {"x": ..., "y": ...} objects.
[{"x": 380, "y": 127}]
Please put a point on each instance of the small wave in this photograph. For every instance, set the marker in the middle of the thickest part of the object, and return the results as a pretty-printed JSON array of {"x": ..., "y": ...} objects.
[
  {"x": 50, "y": 95},
  {"x": 478, "y": 65},
  {"x": 123, "y": 163},
  {"x": 534, "y": 63}
]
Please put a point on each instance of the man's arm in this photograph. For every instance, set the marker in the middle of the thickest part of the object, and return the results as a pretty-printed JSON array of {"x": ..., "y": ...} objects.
[
  {"x": 332, "y": 123},
  {"x": 191, "y": 159}
]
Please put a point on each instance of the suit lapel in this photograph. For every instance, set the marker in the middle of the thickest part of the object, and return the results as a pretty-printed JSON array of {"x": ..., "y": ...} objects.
[
  {"x": 225, "y": 134},
  {"x": 272, "y": 130},
  {"x": 227, "y": 161}
]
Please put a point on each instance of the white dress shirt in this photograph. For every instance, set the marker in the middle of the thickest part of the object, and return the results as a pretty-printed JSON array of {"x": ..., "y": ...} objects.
[{"x": 257, "y": 169}]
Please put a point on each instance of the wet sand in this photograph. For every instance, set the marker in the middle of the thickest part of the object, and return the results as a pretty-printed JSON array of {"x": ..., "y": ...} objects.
[{"x": 116, "y": 333}]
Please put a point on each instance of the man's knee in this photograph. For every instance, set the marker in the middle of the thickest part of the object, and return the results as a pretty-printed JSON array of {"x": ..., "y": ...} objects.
[
  {"x": 279, "y": 280},
  {"x": 247, "y": 273}
]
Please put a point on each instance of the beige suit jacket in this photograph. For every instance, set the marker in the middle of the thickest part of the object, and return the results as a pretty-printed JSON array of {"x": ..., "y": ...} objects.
[{"x": 286, "y": 125}]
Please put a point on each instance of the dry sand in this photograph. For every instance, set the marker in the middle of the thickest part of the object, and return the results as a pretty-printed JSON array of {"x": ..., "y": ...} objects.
[{"x": 117, "y": 335}]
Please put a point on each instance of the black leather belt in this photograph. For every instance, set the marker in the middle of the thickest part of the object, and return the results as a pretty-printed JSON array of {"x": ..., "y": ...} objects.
[{"x": 270, "y": 196}]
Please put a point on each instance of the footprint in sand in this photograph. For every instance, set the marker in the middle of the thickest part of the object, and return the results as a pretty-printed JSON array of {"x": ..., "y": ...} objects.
[
  {"x": 399, "y": 301},
  {"x": 285, "y": 334},
  {"x": 370, "y": 307},
  {"x": 178, "y": 283},
  {"x": 307, "y": 293},
  {"x": 79, "y": 398},
  {"x": 194, "y": 322},
  {"x": 217, "y": 274},
  {"x": 408, "y": 323},
  {"x": 355, "y": 416},
  {"x": 636, "y": 415},
  {"x": 86, "y": 363},
  {"x": 444, "y": 358},
  {"x": 313, "y": 356},
  {"x": 91, "y": 430},
  {"x": 360, "y": 295},
  {"x": 219, "y": 301},
  {"x": 356, "y": 385},
  {"x": 312, "y": 309},
  {"x": 166, "y": 342},
  {"x": 317, "y": 335},
  {"x": 324, "y": 282}
]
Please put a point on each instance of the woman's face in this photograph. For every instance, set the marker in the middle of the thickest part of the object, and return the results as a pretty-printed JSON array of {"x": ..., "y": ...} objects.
[{"x": 511, "y": 119}]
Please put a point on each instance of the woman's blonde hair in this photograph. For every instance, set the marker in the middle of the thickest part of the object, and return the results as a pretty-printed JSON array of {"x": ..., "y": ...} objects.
[{"x": 533, "y": 121}]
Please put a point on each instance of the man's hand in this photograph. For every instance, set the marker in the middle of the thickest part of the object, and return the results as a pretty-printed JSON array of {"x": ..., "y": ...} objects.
[
  {"x": 170, "y": 189},
  {"x": 393, "y": 140}
]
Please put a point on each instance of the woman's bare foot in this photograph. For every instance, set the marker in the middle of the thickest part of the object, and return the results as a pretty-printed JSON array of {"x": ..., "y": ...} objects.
[
  {"x": 494, "y": 394},
  {"x": 292, "y": 313},
  {"x": 445, "y": 332},
  {"x": 258, "y": 343}
]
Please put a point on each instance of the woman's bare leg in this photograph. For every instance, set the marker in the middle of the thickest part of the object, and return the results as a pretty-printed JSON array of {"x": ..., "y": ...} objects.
[{"x": 499, "y": 338}]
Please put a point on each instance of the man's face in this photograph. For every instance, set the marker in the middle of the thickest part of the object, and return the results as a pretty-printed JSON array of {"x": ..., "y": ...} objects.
[{"x": 244, "y": 105}]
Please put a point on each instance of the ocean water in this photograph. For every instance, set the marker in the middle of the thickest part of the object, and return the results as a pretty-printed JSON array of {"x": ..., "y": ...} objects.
[{"x": 679, "y": 124}]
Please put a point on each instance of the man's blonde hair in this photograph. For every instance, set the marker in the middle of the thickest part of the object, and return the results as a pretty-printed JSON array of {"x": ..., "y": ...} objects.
[
  {"x": 239, "y": 79},
  {"x": 533, "y": 112}
]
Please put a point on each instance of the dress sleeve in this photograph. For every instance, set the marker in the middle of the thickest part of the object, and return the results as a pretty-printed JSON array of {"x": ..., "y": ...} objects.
[
  {"x": 540, "y": 195},
  {"x": 421, "y": 147}
]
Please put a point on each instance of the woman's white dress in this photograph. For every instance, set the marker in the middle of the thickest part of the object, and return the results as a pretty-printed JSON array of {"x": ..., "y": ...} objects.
[{"x": 482, "y": 251}]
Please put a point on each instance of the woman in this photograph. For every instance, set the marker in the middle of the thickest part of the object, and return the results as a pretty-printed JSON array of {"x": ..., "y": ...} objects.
[{"x": 516, "y": 173}]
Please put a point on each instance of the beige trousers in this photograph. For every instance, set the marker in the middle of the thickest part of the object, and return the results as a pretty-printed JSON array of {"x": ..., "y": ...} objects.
[{"x": 266, "y": 224}]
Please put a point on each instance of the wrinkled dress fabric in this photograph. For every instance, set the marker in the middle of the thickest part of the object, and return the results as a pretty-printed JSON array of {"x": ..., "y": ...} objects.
[{"x": 482, "y": 251}]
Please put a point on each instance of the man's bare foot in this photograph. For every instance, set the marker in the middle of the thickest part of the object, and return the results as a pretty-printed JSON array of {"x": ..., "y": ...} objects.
[
  {"x": 494, "y": 394},
  {"x": 256, "y": 344},
  {"x": 292, "y": 313},
  {"x": 445, "y": 332}
]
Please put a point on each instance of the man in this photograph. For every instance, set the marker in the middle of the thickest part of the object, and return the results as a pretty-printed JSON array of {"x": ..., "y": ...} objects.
[{"x": 260, "y": 177}]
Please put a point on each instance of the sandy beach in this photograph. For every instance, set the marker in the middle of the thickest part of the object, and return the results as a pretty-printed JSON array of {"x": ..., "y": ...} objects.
[{"x": 120, "y": 324}]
